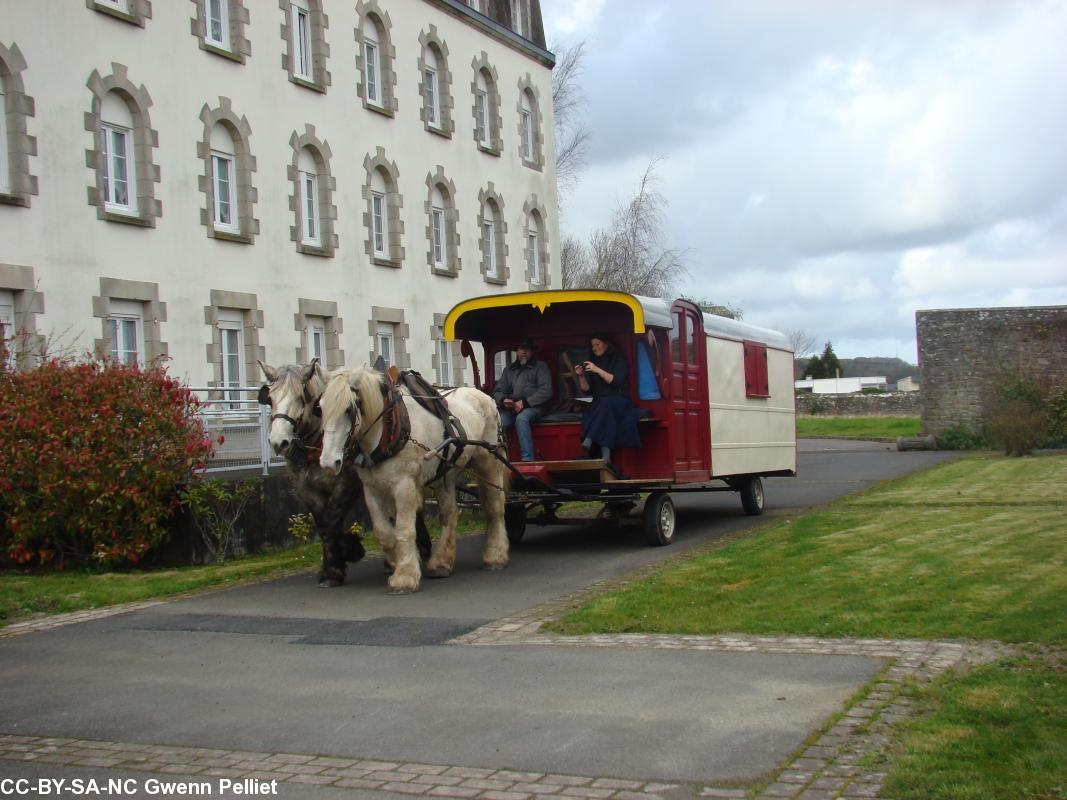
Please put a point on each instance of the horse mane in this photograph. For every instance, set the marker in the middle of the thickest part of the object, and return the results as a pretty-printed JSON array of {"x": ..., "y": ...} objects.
[{"x": 339, "y": 397}]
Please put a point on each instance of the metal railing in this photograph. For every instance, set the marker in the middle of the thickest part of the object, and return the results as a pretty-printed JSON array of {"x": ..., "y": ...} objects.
[{"x": 244, "y": 426}]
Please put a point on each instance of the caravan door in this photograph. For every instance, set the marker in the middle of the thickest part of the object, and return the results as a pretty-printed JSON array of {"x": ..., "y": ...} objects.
[{"x": 690, "y": 448}]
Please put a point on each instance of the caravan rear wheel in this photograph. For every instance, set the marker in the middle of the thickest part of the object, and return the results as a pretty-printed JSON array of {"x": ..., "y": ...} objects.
[
  {"x": 659, "y": 519},
  {"x": 752, "y": 495}
]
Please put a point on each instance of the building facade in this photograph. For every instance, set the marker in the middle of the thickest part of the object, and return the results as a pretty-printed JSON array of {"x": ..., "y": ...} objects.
[{"x": 220, "y": 181}]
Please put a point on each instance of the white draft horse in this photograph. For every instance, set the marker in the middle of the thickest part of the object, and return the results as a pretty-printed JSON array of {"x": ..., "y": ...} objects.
[
  {"x": 296, "y": 433},
  {"x": 353, "y": 406}
]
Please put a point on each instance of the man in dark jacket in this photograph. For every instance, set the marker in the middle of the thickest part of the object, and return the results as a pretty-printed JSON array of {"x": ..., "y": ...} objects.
[{"x": 523, "y": 392}]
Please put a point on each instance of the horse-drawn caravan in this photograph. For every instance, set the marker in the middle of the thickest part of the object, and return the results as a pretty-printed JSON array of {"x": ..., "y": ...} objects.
[{"x": 714, "y": 397}]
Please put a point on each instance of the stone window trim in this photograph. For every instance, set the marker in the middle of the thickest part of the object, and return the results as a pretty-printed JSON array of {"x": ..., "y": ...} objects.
[
  {"x": 503, "y": 273},
  {"x": 20, "y": 146},
  {"x": 335, "y": 356},
  {"x": 145, "y": 144},
  {"x": 252, "y": 316},
  {"x": 386, "y": 58},
  {"x": 140, "y": 11},
  {"x": 154, "y": 313},
  {"x": 320, "y": 50},
  {"x": 437, "y": 331},
  {"x": 537, "y": 137},
  {"x": 244, "y": 169},
  {"x": 238, "y": 18},
  {"x": 320, "y": 151},
  {"x": 430, "y": 40},
  {"x": 534, "y": 207},
  {"x": 394, "y": 316},
  {"x": 394, "y": 202},
  {"x": 482, "y": 67},
  {"x": 453, "y": 261},
  {"x": 29, "y": 302}
]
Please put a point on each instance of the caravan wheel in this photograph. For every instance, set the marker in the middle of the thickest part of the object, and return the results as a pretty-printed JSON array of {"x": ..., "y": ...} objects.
[
  {"x": 659, "y": 519},
  {"x": 752, "y": 495}
]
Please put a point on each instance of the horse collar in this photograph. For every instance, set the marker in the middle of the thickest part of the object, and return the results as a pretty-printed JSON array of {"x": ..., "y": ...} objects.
[{"x": 396, "y": 431}]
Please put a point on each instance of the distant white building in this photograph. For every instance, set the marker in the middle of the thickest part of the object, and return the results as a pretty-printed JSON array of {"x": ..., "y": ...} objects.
[
  {"x": 840, "y": 385},
  {"x": 908, "y": 384},
  {"x": 216, "y": 181}
]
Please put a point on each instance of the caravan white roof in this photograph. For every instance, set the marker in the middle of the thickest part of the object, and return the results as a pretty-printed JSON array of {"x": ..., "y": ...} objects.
[{"x": 658, "y": 314}]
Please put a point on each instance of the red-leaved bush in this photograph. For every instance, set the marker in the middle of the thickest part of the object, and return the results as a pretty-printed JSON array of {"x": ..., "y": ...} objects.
[{"x": 93, "y": 458}]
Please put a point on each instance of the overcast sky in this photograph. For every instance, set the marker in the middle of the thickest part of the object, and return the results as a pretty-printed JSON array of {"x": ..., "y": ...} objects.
[{"x": 834, "y": 165}]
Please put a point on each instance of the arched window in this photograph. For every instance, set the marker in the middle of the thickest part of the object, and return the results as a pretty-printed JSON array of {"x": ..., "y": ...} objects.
[
  {"x": 533, "y": 250},
  {"x": 304, "y": 30},
  {"x": 372, "y": 64},
  {"x": 117, "y": 147},
  {"x": 435, "y": 84},
  {"x": 437, "y": 229},
  {"x": 229, "y": 168},
  {"x": 377, "y": 78},
  {"x": 224, "y": 178},
  {"x": 431, "y": 90},
  {"x": 379, "y": 214},
  {"x": 442, "y": 224},
  {"x": 531, "y": 139},
  {"x": 492, "y": 236},
  {"x": 481, "y": 111},
  {"x": 312, "y": 197},
  {"x": 486, "y": 107},
  {"x": 309, "y": 214},
  {"x": 123, "y": 189},
  {"x": 526, "y": 127},
  {"x": 384, "y": 203},
  {"x": 489, "y": 241}
]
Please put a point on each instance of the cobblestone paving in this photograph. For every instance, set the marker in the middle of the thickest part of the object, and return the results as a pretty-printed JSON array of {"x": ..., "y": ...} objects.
[{"x": 828, "y": 767}]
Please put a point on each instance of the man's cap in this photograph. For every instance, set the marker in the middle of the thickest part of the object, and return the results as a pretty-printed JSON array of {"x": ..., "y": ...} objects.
[{"x": 526, "y": 343}]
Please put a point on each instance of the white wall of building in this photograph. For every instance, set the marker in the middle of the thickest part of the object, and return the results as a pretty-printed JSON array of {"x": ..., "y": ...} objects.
[
  {"x": 840, "y": 385},
  {"x": 69, "y": 249}
]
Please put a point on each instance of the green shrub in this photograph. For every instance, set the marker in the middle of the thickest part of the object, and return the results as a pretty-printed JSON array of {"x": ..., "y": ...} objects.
[
  {"x": 216, "y": 507},
  {"x": 1026, "y": 413},
  {"x": 818, "y": 405},
  {"x": 94, "y": 454},
  {"x": 961, "y": 437}
]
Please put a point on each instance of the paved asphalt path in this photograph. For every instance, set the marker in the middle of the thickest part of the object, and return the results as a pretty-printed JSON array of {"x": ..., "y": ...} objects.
[{"x": 285, "y": 666}]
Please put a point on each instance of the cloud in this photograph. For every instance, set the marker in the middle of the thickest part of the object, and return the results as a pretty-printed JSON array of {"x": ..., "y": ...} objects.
[{"x": 861, "y": 160}]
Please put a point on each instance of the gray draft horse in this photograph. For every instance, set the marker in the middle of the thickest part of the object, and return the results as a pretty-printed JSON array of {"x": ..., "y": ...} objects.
[{"x": 292, "y": 392}]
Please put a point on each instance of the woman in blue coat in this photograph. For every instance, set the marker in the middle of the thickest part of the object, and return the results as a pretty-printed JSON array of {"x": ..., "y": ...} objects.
[{"x": 611, "y": 420}]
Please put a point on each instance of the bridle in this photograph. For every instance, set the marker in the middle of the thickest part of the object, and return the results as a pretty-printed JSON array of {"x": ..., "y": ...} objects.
[{"x": 264, "y": 400}]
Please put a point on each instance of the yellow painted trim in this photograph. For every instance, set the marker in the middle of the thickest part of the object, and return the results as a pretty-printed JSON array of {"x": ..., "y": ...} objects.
[{"x": 541, "y": 301}]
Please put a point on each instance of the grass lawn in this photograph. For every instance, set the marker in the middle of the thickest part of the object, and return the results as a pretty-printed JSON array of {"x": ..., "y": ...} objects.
[
  {"x": 974, "y": 548},
  {"x": 75, "y": 590},
  {"x": 50, "y": 592},
  {"x": 999, "y": 732},
  {"x": 858, "y": 427}
]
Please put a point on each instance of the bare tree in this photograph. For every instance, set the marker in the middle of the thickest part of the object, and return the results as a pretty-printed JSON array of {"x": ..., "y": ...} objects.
[
  {"x": 572, "y": 136},
  {"x": 719, "y": 309},
  {"x": 802, "y": 342},
  {"x": 630, "y": 255},
  {"x": 575, "y": 266}
]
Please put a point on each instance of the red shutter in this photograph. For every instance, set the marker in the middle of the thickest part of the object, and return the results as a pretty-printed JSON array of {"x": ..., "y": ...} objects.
[{"x": 756, "y": 380}]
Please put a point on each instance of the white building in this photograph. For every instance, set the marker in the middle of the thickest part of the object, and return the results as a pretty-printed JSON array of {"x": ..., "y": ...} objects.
[
  {"x": 840, "y": 385},
  {"x": 907, "y": 384},
  {"x": 218, "y": 181}
]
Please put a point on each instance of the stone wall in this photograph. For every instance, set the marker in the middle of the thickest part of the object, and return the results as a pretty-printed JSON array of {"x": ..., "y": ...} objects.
[
  {"x": 890, "y": 404},
  {"x": 963, "y": 352}
]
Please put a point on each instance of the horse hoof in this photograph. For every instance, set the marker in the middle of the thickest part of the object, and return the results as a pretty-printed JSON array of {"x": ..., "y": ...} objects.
[
  {"x": 493, "y": 565},
  {"x": 438, "y": 572},
  {"x": 398, "y": 592},
  {"x": 329, "y": 583}
]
